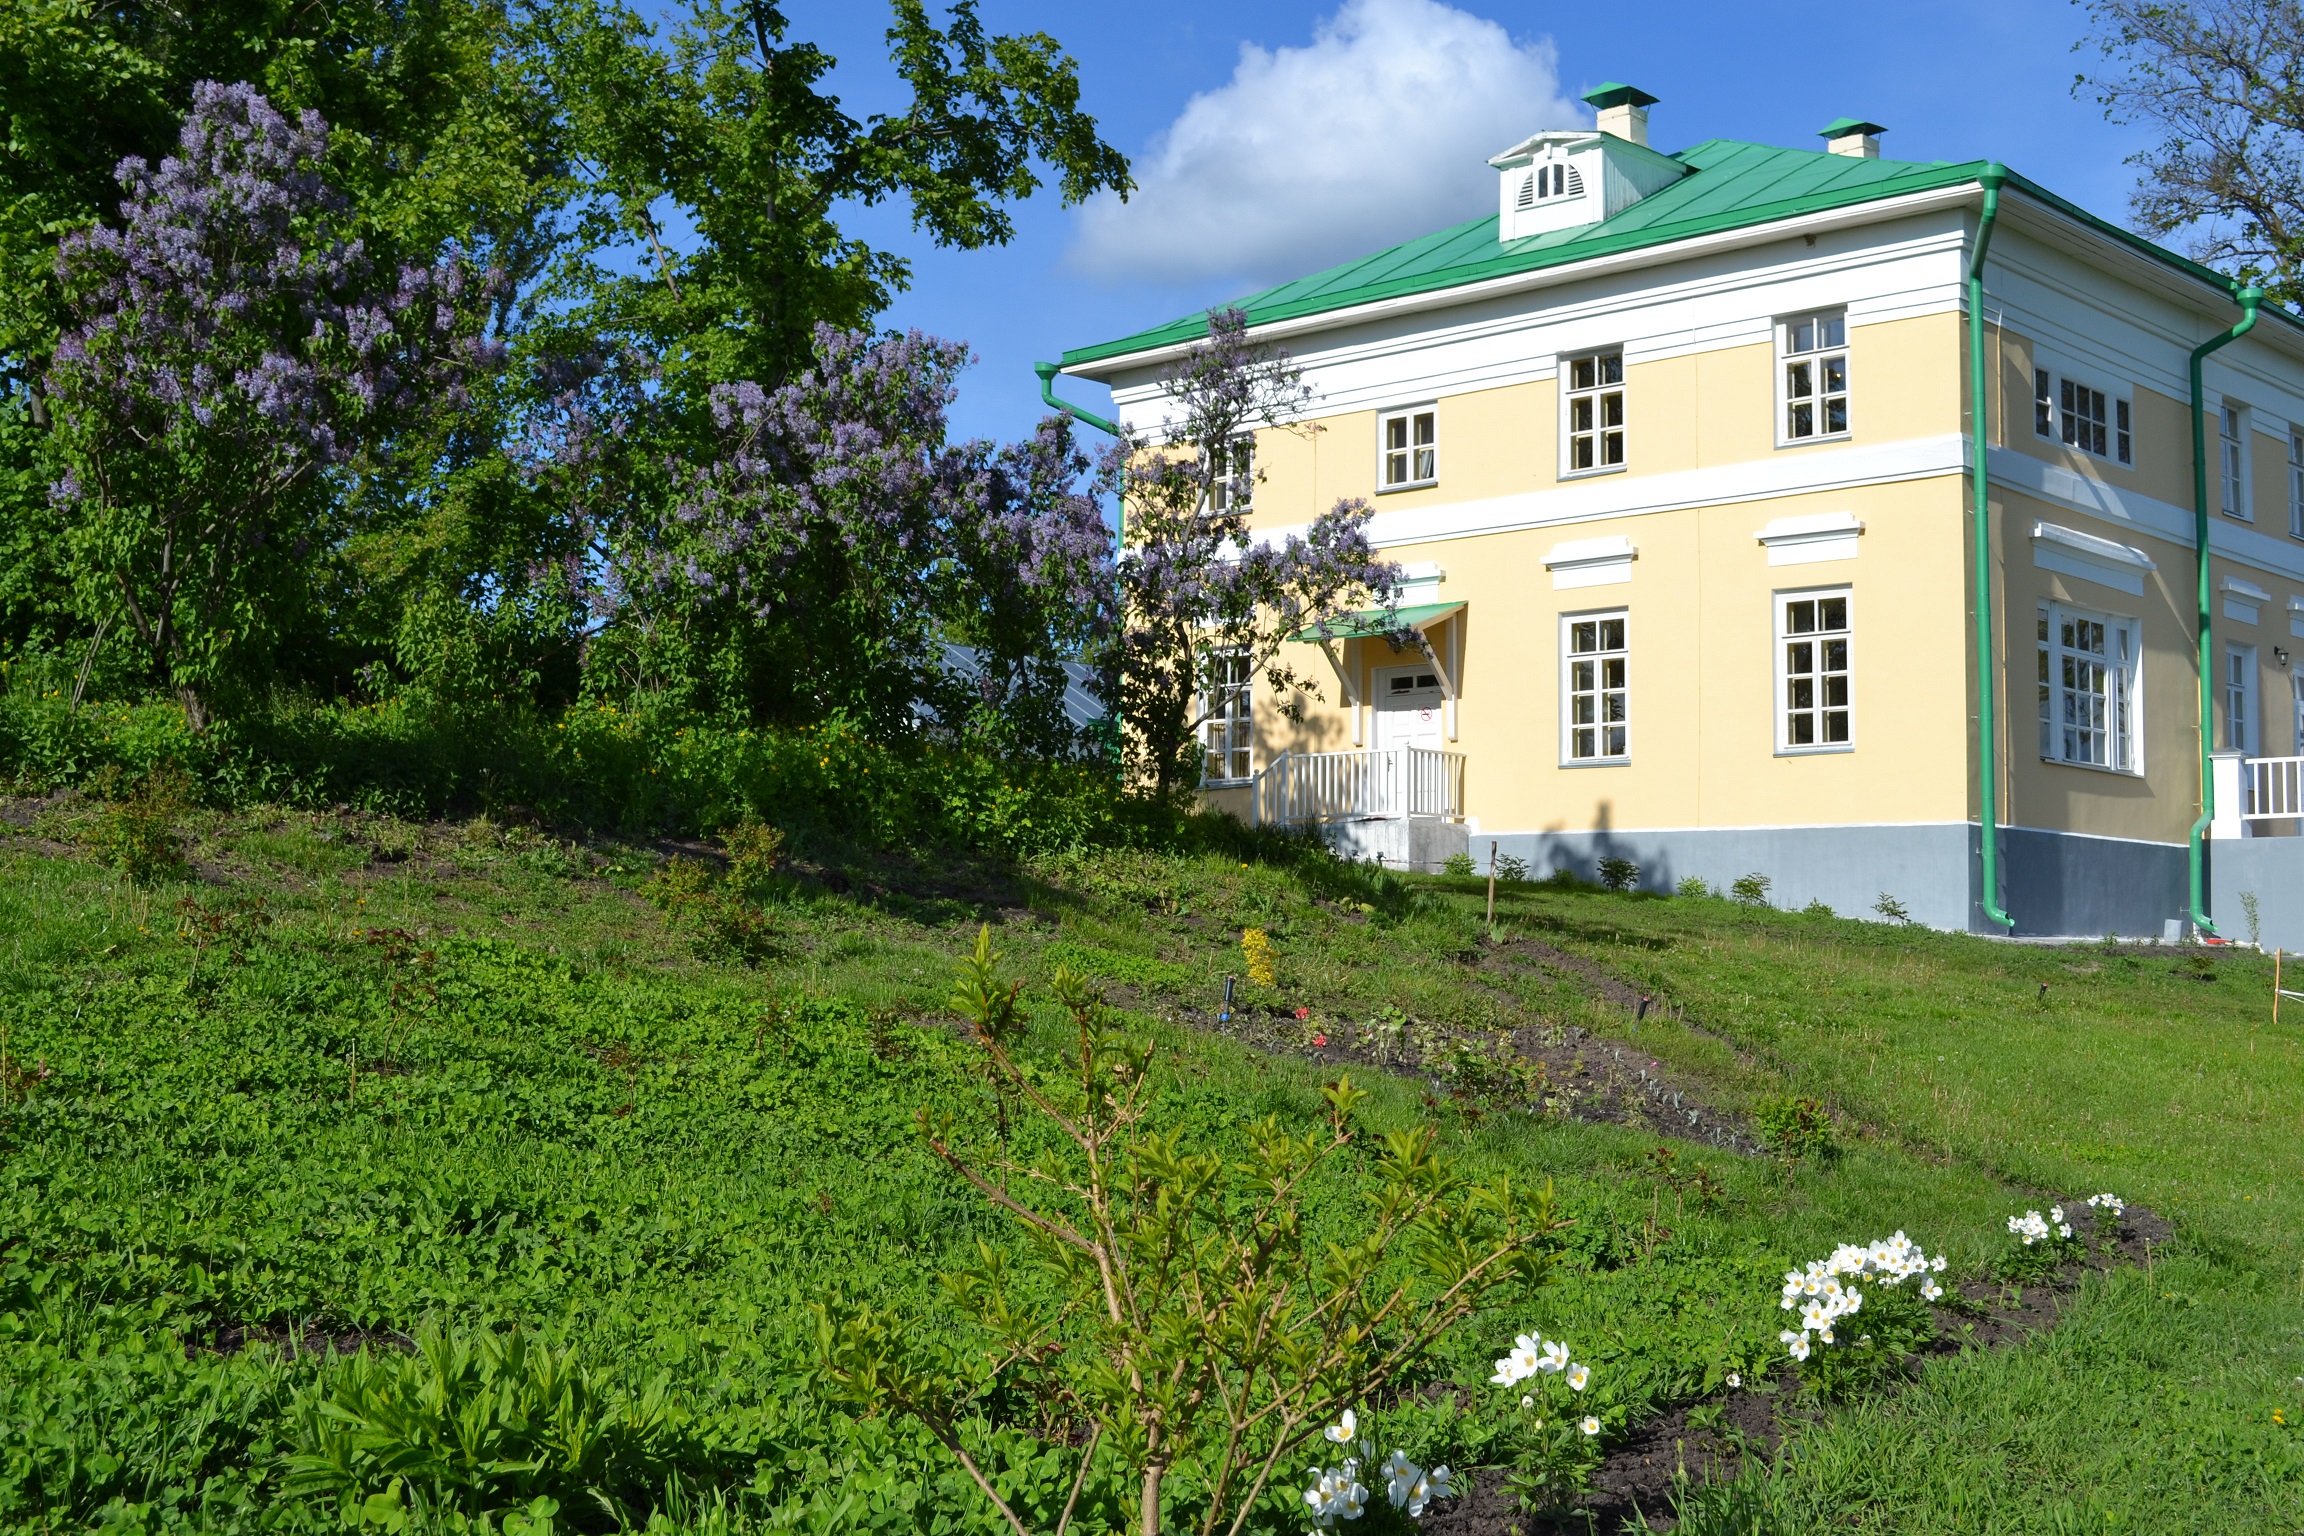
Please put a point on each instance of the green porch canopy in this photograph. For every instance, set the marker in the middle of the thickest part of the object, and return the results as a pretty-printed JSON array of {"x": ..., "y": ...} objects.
[{"x": 1370, "y": 622}]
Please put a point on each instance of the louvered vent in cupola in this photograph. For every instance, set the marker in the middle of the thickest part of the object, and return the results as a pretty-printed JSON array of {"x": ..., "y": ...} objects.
[
  {"x": 1566, "y": 177},
  {"x": 1559, "y": 179}
]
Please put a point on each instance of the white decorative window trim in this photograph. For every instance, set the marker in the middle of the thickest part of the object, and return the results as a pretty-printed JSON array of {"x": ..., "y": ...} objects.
[
  {"x": 1812, "y": 539},
  {"x": 2091, "y": 696},
  {"x": 1591, "y": 562},
  {"x": 2243, "y": 599},
  {"x": 2106, "y": 562},
  {"x": 2296, "y": 617}
]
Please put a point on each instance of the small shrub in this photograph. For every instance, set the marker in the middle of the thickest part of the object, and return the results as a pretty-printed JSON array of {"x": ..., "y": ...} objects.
[
  {"x": 1818, "y": 908},
  {"x": 1619, "y": 874},
  {"x": 1691, "y": 885},
  {"x": 726, "y": 909},
  {"x": 1459, "y": 866},
  {"x": 1796, "y": 1129},
  {"x": 1509, "y": 869},
  {"x": 1890, "y": 909},
  {"x": 2248, "y": 910},
  {"x": 137, "y": 832},
  {"x": 1259, "y": 955},
  {"x": 1751, "y": 889}
]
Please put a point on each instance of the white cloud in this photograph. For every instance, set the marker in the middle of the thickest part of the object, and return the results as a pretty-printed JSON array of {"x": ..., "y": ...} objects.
[{"x": 1376, "y": 131}]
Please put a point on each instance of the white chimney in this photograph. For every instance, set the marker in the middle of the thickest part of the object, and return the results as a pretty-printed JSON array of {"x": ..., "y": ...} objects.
[
  {"x": 1853, "y": 136},
  {"x": 1623, "y": 111}
]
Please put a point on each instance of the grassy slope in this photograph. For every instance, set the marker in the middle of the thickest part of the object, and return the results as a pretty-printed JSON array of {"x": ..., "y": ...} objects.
[{"x": 585, "y": 1128}]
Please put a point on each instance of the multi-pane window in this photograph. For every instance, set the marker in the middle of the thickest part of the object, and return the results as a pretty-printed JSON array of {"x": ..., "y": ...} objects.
[
  {"x": 1232, "y": 475},
  {"x": 1595, "y": 411},
  {"x": 2232, "y": 456},
  {"x": 2296, "y": 483},
  {"x": 2240, "y": 698},
  {"x": 1815, "y": 377},
  {"x": 2082, "y": 416},
  {"x": 1812, "y": 671},
  {"x": 1224, "y": 734},
  {"x": 1411, "y": 442},
  {"x": 2087, "y": 689},
  {"x": 1595, "y": 703}
]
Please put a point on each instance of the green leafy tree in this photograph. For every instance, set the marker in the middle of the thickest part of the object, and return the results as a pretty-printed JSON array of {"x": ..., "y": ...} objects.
[
  {"x": 2223, "y": 83},
  {"x": 723, "y": 126}
]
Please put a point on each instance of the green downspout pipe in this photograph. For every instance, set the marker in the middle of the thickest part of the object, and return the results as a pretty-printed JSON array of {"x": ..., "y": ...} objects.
[
  {"x": 2250, "y": 299},
  {"x": 1979, "y": 392},
  {"x": 1048, "y": 372}
]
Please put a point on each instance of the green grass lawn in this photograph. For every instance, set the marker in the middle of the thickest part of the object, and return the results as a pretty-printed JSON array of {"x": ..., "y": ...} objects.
[{"x": 365, "y": 1080}]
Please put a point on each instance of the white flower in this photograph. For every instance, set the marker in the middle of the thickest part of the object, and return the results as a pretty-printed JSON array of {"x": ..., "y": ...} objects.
[
  {"x": 1555, "y": 1357},
  {"x": 1734, "y": 1379},
  {"x": 1530, "y": 1342},
  {"x": 1578, "y": 1375},
  {"x": 1432, "y": 1485},
  {"x": 2055, "y": 1213},
  {"x": 1799, "y": 1346},
  {"x": 1590, "y": 1426},
  {"x": 1930, "y": 1290},
  {"x": 1815, "y": 1315},
  {"x": 1527, "y": 1402},
  {"x": 1938, "y": 1264},
  {"x": 1351, "y": 1498},
  {"x": 1400, "y": 1475},
  {"x": 1346, "y": 1426},
  {"x": 2064, "y": 1231}
]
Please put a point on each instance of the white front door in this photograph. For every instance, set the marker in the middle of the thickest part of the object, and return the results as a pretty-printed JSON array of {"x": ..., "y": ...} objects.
[{"x": 1408, "y": 708}]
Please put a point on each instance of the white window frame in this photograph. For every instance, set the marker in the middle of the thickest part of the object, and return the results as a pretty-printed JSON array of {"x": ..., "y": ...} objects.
[
  {"x": 2233, "y": 466},
  {"x": 1817, "y": 359},
  {"x": 1598, "y": 393},
  {"x": 2054, "y": 418},
  {"x": 2123, "y": 696},
  {"x": 2243, "y": 723},
  {"x": 1229, "y": 730},
  {"x": 1416, "y": 454},
  {"x": 1780, "y": 666},
  {"x": 1230, "y": 488},
  {"x": 2295, "y": 481},
  {"x": 1569, "y": 692}
]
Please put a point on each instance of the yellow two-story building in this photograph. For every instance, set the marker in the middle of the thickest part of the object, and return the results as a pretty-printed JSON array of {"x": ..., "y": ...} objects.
[{"x": 1677, "y": 452}]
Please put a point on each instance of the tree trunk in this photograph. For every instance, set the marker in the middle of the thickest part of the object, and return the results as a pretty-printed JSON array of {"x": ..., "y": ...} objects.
[
  {"x": 195, "y": 708},
  {"x": 1148, "y": 1516}
]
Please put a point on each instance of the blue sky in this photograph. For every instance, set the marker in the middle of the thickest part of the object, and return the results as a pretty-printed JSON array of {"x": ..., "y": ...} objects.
[{"x": 1274, "y": 137}]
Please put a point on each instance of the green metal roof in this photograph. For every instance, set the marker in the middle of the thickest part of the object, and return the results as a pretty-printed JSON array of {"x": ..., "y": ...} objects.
[
  {"x": 1846, "y": 125},
  {"x": 1732, "y": 185},
  {"x": 1372, "y": 621}
]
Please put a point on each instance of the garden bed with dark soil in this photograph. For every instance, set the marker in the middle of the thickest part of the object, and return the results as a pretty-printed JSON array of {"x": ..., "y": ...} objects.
[
  {"x": 1634, "y": 1485},
  {"x": 1572, "y": 1073}
]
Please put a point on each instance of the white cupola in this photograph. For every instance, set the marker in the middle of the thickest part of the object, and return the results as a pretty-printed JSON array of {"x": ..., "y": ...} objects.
[{"x": 1565, "y": 177}]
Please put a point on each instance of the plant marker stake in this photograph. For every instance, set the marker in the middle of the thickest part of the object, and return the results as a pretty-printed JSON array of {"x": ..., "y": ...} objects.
[
  {"x": 1226, "y": 1016},
  {"x": 1491, "y": 885}
]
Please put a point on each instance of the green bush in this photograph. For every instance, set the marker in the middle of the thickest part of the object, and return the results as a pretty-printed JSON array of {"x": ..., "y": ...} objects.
[
  {"x": 479, "y": 1423},
  {"x": 136, "y": 831},
  {"x": 1618, "y": 874},
  {"x": 1795, "y": 1129}
]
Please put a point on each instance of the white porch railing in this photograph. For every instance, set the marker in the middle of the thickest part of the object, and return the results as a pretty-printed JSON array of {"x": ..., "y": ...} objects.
[
  {"x": 2271, "y": 788},
  {"x": 1296, "y": 788}
]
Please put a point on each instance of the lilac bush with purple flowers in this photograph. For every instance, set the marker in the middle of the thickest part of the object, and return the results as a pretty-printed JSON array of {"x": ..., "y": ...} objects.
[
  {"x": 1197, "y": 583},
  {"x": 233, "y": 364},
  {"x": 832, "y": 521}
]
